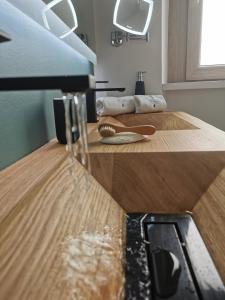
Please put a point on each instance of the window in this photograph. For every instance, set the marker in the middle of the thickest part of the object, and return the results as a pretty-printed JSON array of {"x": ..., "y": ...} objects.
[{"x": 206, "y": 40}]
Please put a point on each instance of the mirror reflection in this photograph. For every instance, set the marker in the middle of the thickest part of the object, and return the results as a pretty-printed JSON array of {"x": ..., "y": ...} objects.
[
  {"x": 133, "y": 15},
  {"x": 65, "y": 10},
  {"x": 78, "y": 15}
]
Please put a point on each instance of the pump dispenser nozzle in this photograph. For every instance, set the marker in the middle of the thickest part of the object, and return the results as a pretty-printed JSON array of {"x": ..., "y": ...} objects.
[
  {"x": 140, "y": 75},
  {"x": 140, "y": 85}
]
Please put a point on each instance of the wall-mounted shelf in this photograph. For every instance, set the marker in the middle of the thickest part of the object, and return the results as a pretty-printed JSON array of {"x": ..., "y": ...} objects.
[{"x": 64, "y": 83}]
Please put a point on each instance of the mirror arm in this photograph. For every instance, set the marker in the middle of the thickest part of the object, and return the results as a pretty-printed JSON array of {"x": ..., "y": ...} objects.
[{"x": 118, "y": 37}]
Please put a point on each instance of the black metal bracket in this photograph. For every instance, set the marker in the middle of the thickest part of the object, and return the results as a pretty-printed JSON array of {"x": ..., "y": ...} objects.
[
  {"x": 68, "y": 84},
  {"x": 4, "y": 37}
]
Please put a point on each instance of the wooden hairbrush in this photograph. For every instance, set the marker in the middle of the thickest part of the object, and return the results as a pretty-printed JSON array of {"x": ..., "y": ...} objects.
[{"x": 108, "y": 129}]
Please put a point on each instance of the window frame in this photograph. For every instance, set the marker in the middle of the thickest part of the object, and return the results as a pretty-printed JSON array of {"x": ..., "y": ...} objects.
[{"x": 194, "y": 71}]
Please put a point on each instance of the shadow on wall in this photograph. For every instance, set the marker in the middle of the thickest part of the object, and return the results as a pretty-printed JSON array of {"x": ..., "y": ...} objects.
[{"x": 26, "y": 123}]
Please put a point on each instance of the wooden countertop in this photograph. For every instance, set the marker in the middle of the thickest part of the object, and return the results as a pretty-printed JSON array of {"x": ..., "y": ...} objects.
[
  {"x": 180, "y": 168},
  {"x": 170, "y": 171},
  {"x": 176, "y": 132},
  {"x": 42, "y": 207}
]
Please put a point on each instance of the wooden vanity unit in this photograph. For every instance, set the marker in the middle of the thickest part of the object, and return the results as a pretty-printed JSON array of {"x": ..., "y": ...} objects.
[
  {"x": 180, "y": 168},
  {"x": 42, "y": 204}
]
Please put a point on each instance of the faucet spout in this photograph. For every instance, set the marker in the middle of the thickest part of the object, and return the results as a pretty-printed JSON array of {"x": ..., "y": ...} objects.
[
  {"x": 4, "y": 37},
  {"x": 91, "y": 100}
]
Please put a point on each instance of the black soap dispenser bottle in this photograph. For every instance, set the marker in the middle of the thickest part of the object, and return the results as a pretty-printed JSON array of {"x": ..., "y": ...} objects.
[{"x": 140, "y": 85}]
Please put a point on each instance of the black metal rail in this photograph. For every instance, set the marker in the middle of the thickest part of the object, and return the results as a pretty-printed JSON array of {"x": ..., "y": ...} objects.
[{"x": 64, "y": 83}]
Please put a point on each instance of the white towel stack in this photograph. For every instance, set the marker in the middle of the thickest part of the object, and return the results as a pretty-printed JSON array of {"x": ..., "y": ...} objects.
[
  {"x": 112, "y": 106},
  {"x": 149, "y": 103}
]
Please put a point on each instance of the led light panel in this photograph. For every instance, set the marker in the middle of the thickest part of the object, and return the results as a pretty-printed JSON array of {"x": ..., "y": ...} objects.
[{"x": 133, "y": 16}]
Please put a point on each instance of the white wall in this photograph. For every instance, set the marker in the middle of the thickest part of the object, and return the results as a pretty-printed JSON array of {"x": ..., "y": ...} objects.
[
  {"x": 120, "y": 65},
  {"x": 206, "y": 104}
]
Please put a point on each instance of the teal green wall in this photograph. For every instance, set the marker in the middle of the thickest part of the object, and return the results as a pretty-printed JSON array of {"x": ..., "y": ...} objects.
[
  {"x": 26, "y": 123},
  {"x": 26, "y": 118}
]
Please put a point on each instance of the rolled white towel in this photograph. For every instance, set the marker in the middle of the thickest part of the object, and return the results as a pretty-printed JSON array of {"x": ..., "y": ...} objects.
[
  {"x": 112, "y": 106},
  {"x": 149, "y": 103}
]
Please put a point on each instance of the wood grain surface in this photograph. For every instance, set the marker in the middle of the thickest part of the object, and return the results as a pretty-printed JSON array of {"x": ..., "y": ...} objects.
[
  {"x": 162, "y": 121},
  {"x": 44, "y": 200},
  {"x": 209, "y": 215},
  {"x": 160, "y": 182},
  {"x": 180, "y": 168},
  {"x": 40, "y": 207},
  {"x": 169, "y": 172},
  {"x": 177, "y": 40}
]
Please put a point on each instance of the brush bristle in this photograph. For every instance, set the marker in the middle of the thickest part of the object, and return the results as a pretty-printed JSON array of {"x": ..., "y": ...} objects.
[{"x": 106, "y": 131}]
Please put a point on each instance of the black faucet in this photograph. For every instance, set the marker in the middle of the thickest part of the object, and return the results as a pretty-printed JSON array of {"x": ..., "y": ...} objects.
[
  {"x": 4, "y": 37},
  {"x": 91, "y": 101}
]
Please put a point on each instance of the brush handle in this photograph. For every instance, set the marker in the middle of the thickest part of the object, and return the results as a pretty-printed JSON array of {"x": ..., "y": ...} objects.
[{"x": 144, "y": 129}]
